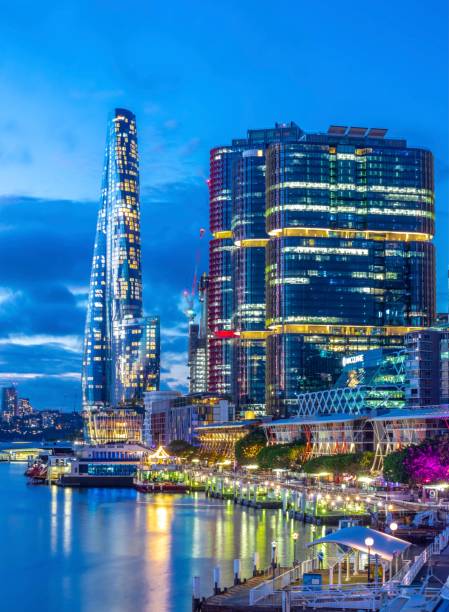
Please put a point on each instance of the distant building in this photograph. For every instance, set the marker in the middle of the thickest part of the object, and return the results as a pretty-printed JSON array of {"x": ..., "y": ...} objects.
[
  {"x": 121, "y": 346},
  {"x": 427, "y": 368},
  {"x": 197, "y": 360},
  {"x": 9, "y": 402},
  {"x": 24, "y": 407},
  {"x": 176, "y": 417}
]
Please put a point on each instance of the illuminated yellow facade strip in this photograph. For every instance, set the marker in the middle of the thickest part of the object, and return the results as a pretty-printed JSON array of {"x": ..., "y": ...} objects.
[
  {"x": 251, "y": 242},
  {"x": 318, "y": 232},
  {"x": 254, "y": 335},
  {"x": 345, "y": 330},
  {"x": 222, "y": 235}
]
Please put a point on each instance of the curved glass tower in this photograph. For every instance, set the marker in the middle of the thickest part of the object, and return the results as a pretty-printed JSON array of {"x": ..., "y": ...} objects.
[{"x": 121, "y": 347}]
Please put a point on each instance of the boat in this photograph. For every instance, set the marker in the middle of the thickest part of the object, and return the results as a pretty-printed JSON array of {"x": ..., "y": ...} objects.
[
  {"x": 161, "y": 487},
  {"x": 103, "y": 465}
]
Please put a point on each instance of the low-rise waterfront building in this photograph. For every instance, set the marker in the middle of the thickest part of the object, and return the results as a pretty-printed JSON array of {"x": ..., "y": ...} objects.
[
  {"x": 118, "y": 425},
  {"x": 383, "y": 400},
  {"x": 171, "y": 416},
  {"x": 219, "y": 439}
]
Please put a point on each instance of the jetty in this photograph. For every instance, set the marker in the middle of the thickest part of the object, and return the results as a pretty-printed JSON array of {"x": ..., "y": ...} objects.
[{"x": 391, "y": 582}]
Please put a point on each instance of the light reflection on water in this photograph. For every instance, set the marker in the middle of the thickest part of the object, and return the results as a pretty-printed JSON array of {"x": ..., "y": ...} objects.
[{"x": 117, "y": 550}]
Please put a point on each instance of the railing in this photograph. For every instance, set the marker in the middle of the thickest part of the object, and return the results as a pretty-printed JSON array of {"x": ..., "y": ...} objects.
[
  {"x": 267, "y": 588},
  {"x": 439, "y": 544},
  {"x": 351, "y": 596}
]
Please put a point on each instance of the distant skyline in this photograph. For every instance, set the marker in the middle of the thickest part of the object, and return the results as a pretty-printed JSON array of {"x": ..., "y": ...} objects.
[{"x": 196, "y": 75}]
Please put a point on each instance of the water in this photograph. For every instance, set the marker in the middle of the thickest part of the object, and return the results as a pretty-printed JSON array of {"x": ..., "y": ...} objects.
[{"x": 117, "y": 550}]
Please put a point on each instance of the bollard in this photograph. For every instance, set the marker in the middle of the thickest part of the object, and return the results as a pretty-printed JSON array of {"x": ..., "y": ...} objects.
[
  {"x": 286, "y": 601},
  {"x": 255, "y": 563},
  {"x": 237, "y": 571},
  {"x": 217, "y": 590},
  {"x": 196, "y": 600}
]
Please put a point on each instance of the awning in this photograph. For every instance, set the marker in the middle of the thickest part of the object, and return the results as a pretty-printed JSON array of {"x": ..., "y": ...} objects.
[{"x": 384, "y": 545}]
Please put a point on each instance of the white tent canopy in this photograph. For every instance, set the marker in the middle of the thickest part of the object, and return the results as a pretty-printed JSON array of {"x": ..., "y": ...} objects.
[{"x": 384, "y": 545}]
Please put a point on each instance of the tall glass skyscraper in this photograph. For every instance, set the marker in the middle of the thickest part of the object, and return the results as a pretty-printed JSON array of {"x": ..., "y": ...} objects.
[
  {"x": 347, "y": 265},
  {"x": 121, "y": 347}
]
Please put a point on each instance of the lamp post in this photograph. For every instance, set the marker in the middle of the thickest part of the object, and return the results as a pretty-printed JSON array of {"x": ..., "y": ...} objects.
[
  {"x": 368, "y": 543},
  {"x": 393, "y": 527},
  {"x": 295, "y": 548},
  {"x": 273, "y": 556}
]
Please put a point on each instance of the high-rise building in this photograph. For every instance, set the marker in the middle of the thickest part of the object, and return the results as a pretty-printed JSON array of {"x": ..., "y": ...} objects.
[
  {"x": 236, "y": 297},
  {"x": 198, "y": 353},
  {"x": 9, "y": 402},
  {"x": 346, "y": 262},
  {"x": 121, "y": 346}
]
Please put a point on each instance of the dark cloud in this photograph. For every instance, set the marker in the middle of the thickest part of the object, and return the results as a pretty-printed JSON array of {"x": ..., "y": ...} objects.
[{"x": 45, "y": 257}]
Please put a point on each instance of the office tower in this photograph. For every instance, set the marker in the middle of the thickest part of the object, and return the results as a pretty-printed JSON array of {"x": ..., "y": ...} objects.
[
  {"x": 236, "y": 297},
  {"x": 9, "y": 403},
  {"x": 197, "y": 351},
  {"x": 349, "y": 262},
  {"x": 121, "y": 346}
]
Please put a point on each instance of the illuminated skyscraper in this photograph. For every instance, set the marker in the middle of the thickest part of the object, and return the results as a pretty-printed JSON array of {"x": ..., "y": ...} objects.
[
  {"x": 121, "y": 346},
  {"x": 322, "y": 248}
]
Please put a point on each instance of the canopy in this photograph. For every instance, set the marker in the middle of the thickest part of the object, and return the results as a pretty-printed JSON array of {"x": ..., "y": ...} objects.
[
  {"x": 160, "y": 454},
  {"x": 385, "y": 545}
]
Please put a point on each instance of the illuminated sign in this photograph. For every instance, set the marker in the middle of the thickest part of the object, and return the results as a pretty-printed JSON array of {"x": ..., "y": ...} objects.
[{"x": 353, "y": 359}]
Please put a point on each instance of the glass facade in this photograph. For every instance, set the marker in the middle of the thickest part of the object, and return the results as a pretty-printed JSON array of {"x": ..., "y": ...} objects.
[
  {"x": 350, "y": 263},
  {"x": 121, "y": 346},
  {"x": 344, "y": 263}
]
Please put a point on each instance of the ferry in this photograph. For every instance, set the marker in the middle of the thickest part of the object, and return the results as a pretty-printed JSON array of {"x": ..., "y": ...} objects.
[
  {"x": 49, "y": 465},
  {"x": 104, "y": 465}
]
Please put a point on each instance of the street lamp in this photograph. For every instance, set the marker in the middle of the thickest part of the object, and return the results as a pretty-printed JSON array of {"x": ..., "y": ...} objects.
[
  {"x": 368, "y": 543},
  {"x": 393, "y": 527},
  {"x": 295, "y": 546},
  {"x": 273, "y": 556}
]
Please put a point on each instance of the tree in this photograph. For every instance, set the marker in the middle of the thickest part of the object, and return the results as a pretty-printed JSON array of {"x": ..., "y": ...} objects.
[
  {"x": 181, "y": 448},
  {"x": 394, "y": 467},
  {"x": 347, "y": 463},
  {"x": 248, "y": 447},
  {"x": 420, "y": 464},
  {"x": 283, "y": 456}
]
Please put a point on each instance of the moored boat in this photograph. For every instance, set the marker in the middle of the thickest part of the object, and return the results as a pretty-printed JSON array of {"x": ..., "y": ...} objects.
[
  {"x": 161, "y": 487},
  {"x": 104, "y": 465}
]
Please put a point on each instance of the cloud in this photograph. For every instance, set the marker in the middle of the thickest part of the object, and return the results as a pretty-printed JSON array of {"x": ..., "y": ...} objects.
[
  {"x": 45, "y": 258},
  {"x": 69, "y": 343},
  {"x": 175, "y": 371},
  {"x": 13, "y": 376}
]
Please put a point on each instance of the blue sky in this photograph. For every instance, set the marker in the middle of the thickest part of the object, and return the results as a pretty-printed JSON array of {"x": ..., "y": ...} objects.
[{"x": 197, "y": 74}]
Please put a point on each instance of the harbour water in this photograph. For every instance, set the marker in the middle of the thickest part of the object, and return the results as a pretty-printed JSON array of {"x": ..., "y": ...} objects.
[{"x": 117, "y": 550}]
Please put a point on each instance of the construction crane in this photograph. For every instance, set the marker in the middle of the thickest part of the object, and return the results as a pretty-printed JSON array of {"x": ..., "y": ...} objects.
[{"x": 189, "y": 296}]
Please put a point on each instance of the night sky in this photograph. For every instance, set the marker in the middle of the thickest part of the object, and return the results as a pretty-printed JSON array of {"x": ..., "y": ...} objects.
[{"x": 196, "y": 73}]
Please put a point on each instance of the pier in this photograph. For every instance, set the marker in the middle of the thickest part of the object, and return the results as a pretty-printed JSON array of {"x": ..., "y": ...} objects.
[{"x": 418, "y": 581}]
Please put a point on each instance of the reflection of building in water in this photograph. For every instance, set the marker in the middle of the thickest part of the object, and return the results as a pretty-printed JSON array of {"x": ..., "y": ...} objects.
[{"x": 159, "y": 551}]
